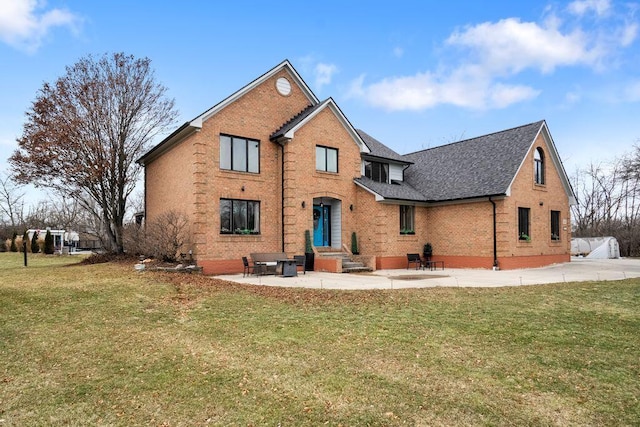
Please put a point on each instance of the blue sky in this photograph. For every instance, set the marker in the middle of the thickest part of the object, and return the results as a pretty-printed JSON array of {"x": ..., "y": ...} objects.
[{"x": 413, "y": 74}]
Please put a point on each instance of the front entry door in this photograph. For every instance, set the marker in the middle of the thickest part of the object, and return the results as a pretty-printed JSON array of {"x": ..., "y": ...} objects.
[{"x": 321, "y": 231}]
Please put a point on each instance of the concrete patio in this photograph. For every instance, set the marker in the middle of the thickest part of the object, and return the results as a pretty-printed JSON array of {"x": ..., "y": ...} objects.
[{"x": 578, "y": 270}]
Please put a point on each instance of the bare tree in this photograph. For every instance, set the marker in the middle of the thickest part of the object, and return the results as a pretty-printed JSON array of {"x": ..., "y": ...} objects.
[
  {"x": 59, "y": 213},
  {"x": 609, "y": 202},
  {"x": 84, "y": 132},
  {"x": 11, "y": 201}
]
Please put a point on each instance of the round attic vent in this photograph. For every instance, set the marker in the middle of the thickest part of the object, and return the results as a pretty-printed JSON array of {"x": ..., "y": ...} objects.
[{"x": 283, "y": 86}]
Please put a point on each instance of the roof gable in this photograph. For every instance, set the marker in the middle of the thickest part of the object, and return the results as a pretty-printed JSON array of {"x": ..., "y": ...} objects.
[
  {"x": 477, "y": 167},
  {"x": 284, "y": 65},
  {"x": 195, "y": 124},
  {"x": 288, "y": 130}
]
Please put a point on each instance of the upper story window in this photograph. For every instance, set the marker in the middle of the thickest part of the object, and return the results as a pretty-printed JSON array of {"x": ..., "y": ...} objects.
[
  {"x": 239, "y": 154},
  {"x": 239, "y": 216},
  {"x": 378, "y": 172},
  {"x": 326, "y": 159},
  {"x": 538, "y": 166}
]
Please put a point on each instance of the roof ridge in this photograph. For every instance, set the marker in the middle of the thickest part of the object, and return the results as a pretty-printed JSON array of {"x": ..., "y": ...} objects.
[{"x": 475, "y": 137}]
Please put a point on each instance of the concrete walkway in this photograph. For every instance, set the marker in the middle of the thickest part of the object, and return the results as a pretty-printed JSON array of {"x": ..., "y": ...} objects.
[{"x": 578, "y": 270}]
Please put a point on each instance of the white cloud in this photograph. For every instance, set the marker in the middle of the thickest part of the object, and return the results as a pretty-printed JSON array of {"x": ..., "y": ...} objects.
[
  {"x": 24, "y": 27},
  {"x": 324, "y": 73},
  {"x": 495, "y": 54},
  {"x": 511, "y": 46},
  {"x": 581, "y": 7},
  {"x": 427, "y": 90},
  {"x": 632, "y": 92},
  {"x": 628, "y": 34},
  {"x": 572, "y": 97}
]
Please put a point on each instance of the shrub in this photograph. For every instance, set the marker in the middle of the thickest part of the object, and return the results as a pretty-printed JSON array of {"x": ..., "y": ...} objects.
[
  {"x": 35, "y": 246},
  {"x": 25, "y": 238},
  {"x": 48, "y": 243},
  {"x": 354, "y": 244},
  {"x": 14, "y": 247},
  {"x": 307, "y": 242},
  {"x": 166, "y": 236}
]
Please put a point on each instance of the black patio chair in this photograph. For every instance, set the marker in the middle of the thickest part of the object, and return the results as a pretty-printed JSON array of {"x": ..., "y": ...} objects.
[
  {"x": 415, "y": 260},
  {"x": 249, "y": 268}
]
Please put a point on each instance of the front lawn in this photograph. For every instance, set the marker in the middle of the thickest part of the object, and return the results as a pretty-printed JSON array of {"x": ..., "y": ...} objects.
[{"x": 104, "y": 345}]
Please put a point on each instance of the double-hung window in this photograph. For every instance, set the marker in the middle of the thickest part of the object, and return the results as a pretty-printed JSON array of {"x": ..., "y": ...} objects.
[
  {"x": 377, "y": 171},
  {"x": 239, "y": 154},
  {"x": 523, "y": 224},
  {"x": 239, "y": 216},
  {"x": 555, "y": 225},
  {"x": 326, "y": 159},
  {"x": 407, "y": 219}
]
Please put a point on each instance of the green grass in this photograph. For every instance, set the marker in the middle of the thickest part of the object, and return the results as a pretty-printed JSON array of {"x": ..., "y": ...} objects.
[{"x": 105, "y": 345}]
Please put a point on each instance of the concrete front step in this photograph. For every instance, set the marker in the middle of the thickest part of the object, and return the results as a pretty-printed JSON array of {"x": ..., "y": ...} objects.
[
  {"x": 348, "y": 266},
  {"x": 333, "y": 255},
  {"x": 362, "y": 269}
]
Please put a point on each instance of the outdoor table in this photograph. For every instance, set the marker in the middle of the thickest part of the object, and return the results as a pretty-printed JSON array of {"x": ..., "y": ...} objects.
[{"x": 287, "y": 267}]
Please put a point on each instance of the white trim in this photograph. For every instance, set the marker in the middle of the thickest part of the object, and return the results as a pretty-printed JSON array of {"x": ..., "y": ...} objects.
[
  {"x": 555, "y": 158},
  {"x": 378, "y": 197},
  {"x": 285, "y": 65},
  {"x": 329, "y": 102}
]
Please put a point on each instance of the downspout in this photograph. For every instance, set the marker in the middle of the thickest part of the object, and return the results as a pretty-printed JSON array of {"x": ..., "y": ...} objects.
[
  {"x": 282, "y": 196},
  {"x": 495, "y": 236}
]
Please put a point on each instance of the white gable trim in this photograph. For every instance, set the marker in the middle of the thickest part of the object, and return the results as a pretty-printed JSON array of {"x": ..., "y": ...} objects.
[
  {"x": 555, "y": 159},
  {"x": 195, "y": 125},
  {"x": 378, "y": 197},
  {"x": 285, "y": 65}
]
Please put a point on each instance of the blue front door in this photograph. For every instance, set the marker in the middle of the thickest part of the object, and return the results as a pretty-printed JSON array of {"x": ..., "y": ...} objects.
[{"x": 321, "y": 230}]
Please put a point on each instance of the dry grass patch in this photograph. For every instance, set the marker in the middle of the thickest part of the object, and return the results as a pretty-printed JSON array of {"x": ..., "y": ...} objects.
[{"x": 105, "y": 345}]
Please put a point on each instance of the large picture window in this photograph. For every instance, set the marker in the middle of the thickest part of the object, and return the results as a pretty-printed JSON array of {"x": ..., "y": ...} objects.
[
  {"x": 378, "y": 172},
  {"x": 523, "y": 224},
  {"x": 239, "y": 154},
  {"x": 555, "y": 225},
  {"x": 239, "y": 216},
  {"x": 326, "y": 159},
  {"x": 407, "y": 219}
]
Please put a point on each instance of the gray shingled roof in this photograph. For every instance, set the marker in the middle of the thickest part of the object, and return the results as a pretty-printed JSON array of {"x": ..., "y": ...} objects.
[
  {"x": 477, "y": 167},
  {"x": 395, "y": 191},
  {"x": 378, "y": 149}
]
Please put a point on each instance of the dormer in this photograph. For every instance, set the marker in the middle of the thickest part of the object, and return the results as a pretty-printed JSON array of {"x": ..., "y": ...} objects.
[{"x": 381, "y": 164}]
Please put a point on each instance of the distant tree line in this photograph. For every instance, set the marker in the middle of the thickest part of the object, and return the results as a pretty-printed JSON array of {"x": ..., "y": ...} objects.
[{"x": 608, "y": 196}]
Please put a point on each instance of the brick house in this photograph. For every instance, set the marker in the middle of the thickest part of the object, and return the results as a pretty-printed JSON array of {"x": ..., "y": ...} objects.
[{"x": 259, "y": 168}]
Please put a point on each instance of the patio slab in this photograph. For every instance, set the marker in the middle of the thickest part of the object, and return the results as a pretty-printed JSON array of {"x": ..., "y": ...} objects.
[{"x": 578, "y": 270}]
